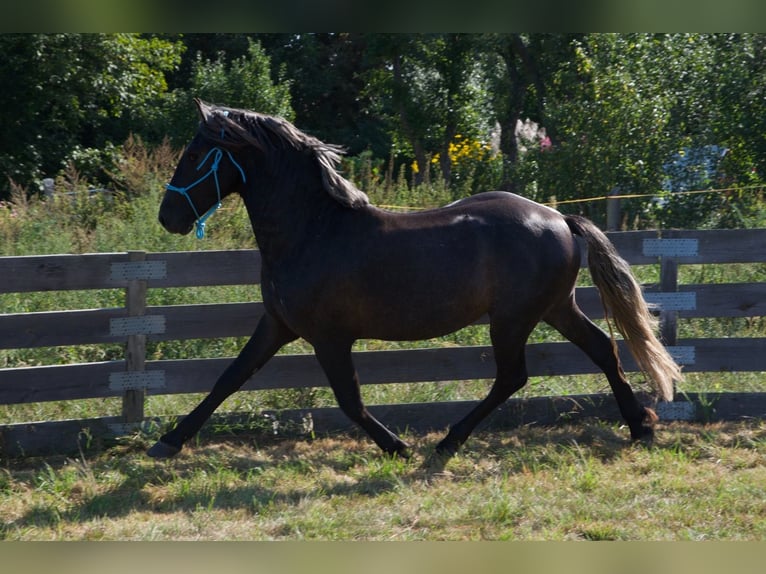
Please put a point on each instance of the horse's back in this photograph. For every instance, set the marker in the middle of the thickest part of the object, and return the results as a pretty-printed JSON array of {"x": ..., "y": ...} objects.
[
  {"x": 509, "y": 225},
  {"x": 420, "y": 275},
  {"x": 508, "y": 208}
]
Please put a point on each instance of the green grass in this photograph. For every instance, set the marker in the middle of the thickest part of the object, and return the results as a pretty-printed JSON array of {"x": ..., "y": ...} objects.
[{"x": 583, "y": 482}]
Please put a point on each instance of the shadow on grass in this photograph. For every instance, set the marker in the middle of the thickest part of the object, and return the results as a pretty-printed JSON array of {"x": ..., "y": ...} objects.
[
  {"x": 179, "y": 485},
  {"x": 239, "y": 474}
]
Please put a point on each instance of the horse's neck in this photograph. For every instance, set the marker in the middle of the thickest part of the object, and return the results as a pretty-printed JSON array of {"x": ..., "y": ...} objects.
[{"x": 286, "y": 215}]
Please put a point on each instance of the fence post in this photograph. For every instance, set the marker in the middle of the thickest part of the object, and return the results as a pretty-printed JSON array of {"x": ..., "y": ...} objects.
[
  {"x": 135, "y": 352},
  {"x": 668, "y": 284},
  {"x": 49, "y": 187},
  {"x": 613, "y": 222}
]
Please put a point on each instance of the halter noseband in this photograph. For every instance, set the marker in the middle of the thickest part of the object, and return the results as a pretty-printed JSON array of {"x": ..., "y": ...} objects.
[{"x": 200, "y": 221}]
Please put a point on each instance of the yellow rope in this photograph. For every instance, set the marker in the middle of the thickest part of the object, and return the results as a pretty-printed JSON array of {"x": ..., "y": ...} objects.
[
  {"x": 668, "y": 194},
  {"x": 605, "y": 197}
]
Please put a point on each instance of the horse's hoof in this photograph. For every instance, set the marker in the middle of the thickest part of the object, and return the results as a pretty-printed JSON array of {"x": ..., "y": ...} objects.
[
  {"x": 644, "y": 438},
  {"x": 643, "y": 434},
  {"x": 405, "y": 453},
  {"x": 163, "y": 450},
  {"x": 401, "y": 450},
  {"x": 446, "y": 450},
  {"x": 438, "y": 459}
]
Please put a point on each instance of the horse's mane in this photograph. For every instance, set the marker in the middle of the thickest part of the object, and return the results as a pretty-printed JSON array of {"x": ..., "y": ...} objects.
[{"x": 232, "y": 127}]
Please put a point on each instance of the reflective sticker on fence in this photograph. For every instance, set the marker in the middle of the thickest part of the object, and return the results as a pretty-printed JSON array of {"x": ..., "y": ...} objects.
[
  {"x": 137, "y": 380},
  {"x": 681, "y": 301},
  {"x": 671, "y": 247},
  {"x": 138, "y": 270},
  {"x": 683, "y": 354},
  {"x": 141, "y": 325},
  {"x": 676, "y": 411}
]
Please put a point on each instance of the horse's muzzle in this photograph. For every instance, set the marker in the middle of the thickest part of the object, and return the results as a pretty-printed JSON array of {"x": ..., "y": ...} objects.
[{"x": 175, "y": 226}]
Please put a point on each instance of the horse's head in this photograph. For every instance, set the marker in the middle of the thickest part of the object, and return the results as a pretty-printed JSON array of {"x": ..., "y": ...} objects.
[{"x": 206, "y": 173}]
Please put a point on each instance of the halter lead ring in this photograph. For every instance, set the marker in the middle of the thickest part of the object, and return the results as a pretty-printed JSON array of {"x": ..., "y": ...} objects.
[{"x": 201, "y": 219}]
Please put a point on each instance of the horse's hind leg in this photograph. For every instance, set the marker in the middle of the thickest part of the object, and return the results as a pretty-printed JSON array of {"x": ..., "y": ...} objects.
[
  {"x": 571, "y": 322},
  {"x": 269, "y": 336},
  {"x": 508, "y": 344},
  {"x": 335, "y": 359}
]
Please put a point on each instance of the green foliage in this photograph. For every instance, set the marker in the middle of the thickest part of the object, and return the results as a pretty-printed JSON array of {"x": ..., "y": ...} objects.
[
  {"x": 328, "y": 75},
  {"x": 611, "y": 117},
  {"x": 620, "y": 106},
  {"x": 245, "y": 82},
  {"x": 616, "y": 108},
  {"x": 475, "y": 166},
  {"x": 429, "y": 89},
  {"x": 66, "y": 94}
]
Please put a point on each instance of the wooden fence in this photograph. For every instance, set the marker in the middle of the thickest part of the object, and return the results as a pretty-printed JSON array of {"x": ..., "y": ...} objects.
[{"x": 133, "y": 377}]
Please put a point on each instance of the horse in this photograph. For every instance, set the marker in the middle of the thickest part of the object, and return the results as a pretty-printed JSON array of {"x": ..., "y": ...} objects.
[{"x": 336, "y": 269}]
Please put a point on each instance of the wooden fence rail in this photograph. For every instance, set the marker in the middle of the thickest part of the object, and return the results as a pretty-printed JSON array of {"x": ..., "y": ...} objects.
[{"x": 132, "y": 325}]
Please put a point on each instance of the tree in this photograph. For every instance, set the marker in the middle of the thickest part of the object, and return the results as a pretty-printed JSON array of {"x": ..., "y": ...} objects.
[
  {"x": 614, "y": 131},
  {"x": 327, "y": 74},
  {"x": 616, "y": 108},
  {"x": 720, "y": 111},
  {"x": 610, "y": 110},
  {"x": 737, "y": 85},
  {"x": 242, "y": 82},
  {"x": 68, "y": 92},
  {"x": 620, "y": 107},
  {"x": 520, "y": 68},
  {"x": 429, "y": 88}
]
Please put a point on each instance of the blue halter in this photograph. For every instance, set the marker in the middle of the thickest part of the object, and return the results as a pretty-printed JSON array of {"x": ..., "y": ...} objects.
[{"x": 200, "y": 221}]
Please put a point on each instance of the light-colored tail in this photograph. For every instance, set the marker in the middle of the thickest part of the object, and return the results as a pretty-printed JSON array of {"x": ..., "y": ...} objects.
[{"x": 622, "y": 298}]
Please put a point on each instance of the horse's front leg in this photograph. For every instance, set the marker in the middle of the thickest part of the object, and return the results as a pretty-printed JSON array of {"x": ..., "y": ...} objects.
[
  {"x": 270, "y": 335},
  {"x": 337, "y": 364}
]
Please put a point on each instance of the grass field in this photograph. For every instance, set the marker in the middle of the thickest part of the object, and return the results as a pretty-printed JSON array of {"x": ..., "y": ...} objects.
[{"x": 584, "y": 482}]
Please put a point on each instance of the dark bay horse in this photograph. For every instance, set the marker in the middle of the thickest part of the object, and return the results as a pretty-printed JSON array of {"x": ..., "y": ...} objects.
[{"x": 337, "y": 269}]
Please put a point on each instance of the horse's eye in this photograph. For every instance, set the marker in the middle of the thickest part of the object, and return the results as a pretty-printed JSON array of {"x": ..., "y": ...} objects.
[{"x": 192, "y": 157}]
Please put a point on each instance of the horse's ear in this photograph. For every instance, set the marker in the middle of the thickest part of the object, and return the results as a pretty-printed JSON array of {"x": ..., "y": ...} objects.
[{"x": 205, "y": 112}]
